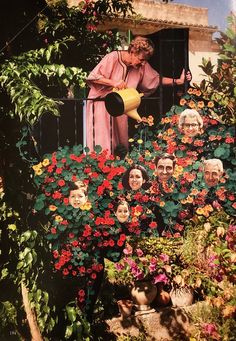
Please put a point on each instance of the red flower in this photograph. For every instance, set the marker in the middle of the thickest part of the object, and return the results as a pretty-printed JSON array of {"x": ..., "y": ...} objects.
[
  {"x": 111, "y": 242},
  {"x": 87, "y": 170},
  {"x": 123, "y": 237},
  {"x": 61, "y": 183},
  {"x": 55, "y": 254},
  {"x": 120, "y": 186},
  {"x": 153, "y": 225},
  {"x": 120, "y": 242},
  {"x": 59, "y": 170},
  {"x": 57, "y": 195},
  {"x": 65, "y": 272},
  {"x": 53, "y": 230},
  {"x": 229, "y": 139},
  {"x": 50, "y": 169},
  {"x": 82, "y": 269}
]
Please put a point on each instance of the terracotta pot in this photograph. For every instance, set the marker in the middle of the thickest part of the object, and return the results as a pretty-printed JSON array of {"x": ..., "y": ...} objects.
[
  {"x": 162, "y": 298},
  {"x": 181, "y": 297},
  {"x": 125, "y": 308},
  {"x": 143, "y": 294}
]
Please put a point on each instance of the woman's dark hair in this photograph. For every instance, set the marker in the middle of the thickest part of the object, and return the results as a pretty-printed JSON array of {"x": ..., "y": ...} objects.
[{"x": 125, "y": 178}]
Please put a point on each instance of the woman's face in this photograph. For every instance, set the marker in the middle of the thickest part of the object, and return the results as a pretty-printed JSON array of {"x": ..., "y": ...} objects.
[
  {"x": 122, "y": 213},
  {"x": 136, "y": 179},
  {"x": 77, "y": 198},
  {"x": 191, "y": 126},
  {"x": 137, "y": 59}
]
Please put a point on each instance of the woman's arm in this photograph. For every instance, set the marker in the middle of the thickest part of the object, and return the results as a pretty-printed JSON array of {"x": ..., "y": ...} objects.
[
  {"x": 177, "y": 81},
  {"x": 111, "y": 83}
]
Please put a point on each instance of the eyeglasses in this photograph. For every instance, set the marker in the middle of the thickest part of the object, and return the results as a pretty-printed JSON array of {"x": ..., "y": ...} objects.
[{"x": 188, "y": 125}]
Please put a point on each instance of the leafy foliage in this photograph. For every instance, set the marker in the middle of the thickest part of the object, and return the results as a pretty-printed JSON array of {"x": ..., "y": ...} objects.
[{"x": 220, "y": 83}]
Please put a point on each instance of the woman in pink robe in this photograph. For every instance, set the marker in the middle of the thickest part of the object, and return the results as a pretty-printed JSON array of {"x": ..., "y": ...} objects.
[{"x": 119, "y": 70}]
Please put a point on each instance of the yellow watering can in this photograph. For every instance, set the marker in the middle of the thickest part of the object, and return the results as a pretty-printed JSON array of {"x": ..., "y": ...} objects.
[{"x": 124, "y": 101}]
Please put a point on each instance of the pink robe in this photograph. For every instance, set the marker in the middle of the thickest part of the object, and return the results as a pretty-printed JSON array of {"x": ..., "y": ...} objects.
[{"x": 101, "y": 128}]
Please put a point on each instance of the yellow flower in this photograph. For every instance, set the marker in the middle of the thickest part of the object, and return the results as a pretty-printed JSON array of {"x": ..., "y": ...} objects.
[
  {"x": 178, "y": 169},
  {"x": 189, "y": 199},
  {"x": 38, "y": 171},
  {"x": 38, "y": 166},
  {"x": 52, "y": 208},
  {"x": 131, "y": 140},
  {"x": 147, "y": 153},
  {"x": 111, "y": 194},
  {"x": 194, "y": 191},
  {"x": 200, "y": 211},
  {"x": 139, "y": 141},
  {"x": 58, "y": 218},
  {"x": 166, "y": 120},
  {"x": 86, "y": 206},
  {"x": 45, "y": 162},
  {"x": 162, "y": 203}
]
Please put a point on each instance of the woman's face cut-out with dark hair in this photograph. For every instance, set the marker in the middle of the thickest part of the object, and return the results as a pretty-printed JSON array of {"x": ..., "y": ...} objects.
[{"x": 136, "y": 179}]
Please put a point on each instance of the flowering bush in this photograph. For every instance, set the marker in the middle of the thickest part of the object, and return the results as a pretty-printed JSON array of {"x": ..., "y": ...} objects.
[
  {"x": 80, "y": 238},
  {"x": 137, "y": 264}
]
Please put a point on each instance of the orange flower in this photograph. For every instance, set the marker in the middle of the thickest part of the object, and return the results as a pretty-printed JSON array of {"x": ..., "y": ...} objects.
[
  {"x": 182, "y": 101},
  {"x": 198, "y": 93},
  {"x": 52, "y": 208},
  {"x": 190, "y": 91},
  {"x": 192, "y": 105},
  {"x": 210, "y": 104},
  {"x": 200, "y": 104}
]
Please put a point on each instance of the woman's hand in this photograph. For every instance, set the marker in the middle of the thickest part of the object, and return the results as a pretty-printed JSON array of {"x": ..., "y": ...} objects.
[
  {"x": 119, "y": 85},
  {"x": 185, "y": 76}
]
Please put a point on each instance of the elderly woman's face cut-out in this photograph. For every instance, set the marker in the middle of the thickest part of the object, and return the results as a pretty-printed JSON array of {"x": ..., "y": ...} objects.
[
  {"x": 164, "y": 169},
  {"x": 77, "y": 198},
  {"x": 191, "y": 126},
  {"x": 212, "y": 174},
  {"x": 136, "y": 179},
  {"x": 122, "y": 213}
]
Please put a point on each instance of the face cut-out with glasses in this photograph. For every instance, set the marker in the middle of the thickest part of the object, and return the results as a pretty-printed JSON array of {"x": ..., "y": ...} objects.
[{"x": 191, "y": 127}]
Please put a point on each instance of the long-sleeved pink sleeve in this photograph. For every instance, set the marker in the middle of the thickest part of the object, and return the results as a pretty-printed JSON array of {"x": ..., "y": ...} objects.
[
  {"x": 150, "y": 80},
  {"x": 104, "y": 69}
]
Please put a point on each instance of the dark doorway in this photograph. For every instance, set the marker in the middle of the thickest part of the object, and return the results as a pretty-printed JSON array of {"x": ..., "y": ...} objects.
[{"x": 169, "y": 59}]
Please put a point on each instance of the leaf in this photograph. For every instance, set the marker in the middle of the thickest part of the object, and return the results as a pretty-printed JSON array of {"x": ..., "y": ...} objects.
[
  {"x": 11, "y": 227},
  {"x": 71, "y": 313}
]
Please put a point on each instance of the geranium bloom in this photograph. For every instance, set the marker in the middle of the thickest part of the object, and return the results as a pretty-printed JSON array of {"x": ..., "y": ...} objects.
[{"x": 161, "y": 278}]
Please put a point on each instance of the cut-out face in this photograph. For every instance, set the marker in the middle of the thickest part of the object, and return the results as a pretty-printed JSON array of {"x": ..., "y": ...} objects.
[
  {"x": 164, "y": 169},
  {"x": 212, "y": 174},
  {"x": 136, "y": 179},
  {"x": 191, "y": 126},
  {"x": 122, "y": 213},
  {"x": 77, "y": 198}
]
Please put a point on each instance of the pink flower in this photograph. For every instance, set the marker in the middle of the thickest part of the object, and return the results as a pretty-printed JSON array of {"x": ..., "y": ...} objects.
[
  {"x": 161, "y": 278},
  {"x": 164, "y": 257},
  {"x": 139, "y": 252}
]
